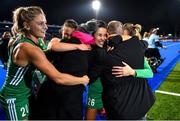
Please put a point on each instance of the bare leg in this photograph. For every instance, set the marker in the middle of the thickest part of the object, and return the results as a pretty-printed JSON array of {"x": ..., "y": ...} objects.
[{"x": 91, "y": 114}]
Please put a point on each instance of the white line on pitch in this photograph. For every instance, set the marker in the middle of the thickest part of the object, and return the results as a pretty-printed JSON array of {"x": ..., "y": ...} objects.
[{"x": 167, "y": 93}]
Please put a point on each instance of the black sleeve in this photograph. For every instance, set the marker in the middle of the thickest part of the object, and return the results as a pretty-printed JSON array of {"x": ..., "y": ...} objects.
[
  {"x": 50, "y": 55},
  {"x": 95, "y": 72},
  {"x": 99, "y": 62},
  {"x": 144, "y": 44},
  {"x": 103, "y": 57}
]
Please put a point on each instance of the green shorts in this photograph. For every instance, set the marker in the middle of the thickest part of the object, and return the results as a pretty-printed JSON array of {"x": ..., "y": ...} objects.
[
  {"x": 95, "y": 95},
  {"x": 16, "y": 110}
]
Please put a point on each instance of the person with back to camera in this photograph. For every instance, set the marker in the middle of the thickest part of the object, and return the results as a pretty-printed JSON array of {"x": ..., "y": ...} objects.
[
  {"x": 99, "y": 31},
  {"x": 65, "y": 101},
  {"x": 95, "y": 89},
  {"x": 123, "y": 97}
]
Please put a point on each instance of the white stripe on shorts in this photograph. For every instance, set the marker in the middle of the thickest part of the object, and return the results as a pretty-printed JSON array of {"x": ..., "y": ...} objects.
[{"x": 12, "y": 109}]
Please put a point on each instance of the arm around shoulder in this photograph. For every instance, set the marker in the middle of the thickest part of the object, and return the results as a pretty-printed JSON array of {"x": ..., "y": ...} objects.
[
  {"x": 146, "y": 72},
  {"x": 39, "y": 60}
]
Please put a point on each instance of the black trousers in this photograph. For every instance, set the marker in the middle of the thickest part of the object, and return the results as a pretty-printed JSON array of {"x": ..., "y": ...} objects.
[
  {"x": 129, "y": 99},
  {"x": 57, "y": 102}
]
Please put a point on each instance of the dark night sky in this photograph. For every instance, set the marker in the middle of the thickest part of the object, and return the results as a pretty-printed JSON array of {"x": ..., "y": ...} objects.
[{"x": 164, "y": 14}]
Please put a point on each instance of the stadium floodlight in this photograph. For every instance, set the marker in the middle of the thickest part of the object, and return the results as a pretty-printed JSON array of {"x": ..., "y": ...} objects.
[{"x": 96, "y": 4}]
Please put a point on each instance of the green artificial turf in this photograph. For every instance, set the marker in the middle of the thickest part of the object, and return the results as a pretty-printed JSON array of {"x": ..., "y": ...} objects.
[{"x": 167, "y": 107}]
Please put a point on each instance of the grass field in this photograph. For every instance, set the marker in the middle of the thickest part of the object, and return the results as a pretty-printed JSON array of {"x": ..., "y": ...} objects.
[{"x": 167, "y": 107}]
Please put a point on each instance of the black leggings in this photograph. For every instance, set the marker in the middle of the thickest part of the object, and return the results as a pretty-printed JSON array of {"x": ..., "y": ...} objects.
[{"x": 152, "y": 52}]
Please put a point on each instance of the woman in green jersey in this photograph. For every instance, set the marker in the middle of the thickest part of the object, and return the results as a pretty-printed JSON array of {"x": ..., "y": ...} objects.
[{"x": 25, "y": 54}]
